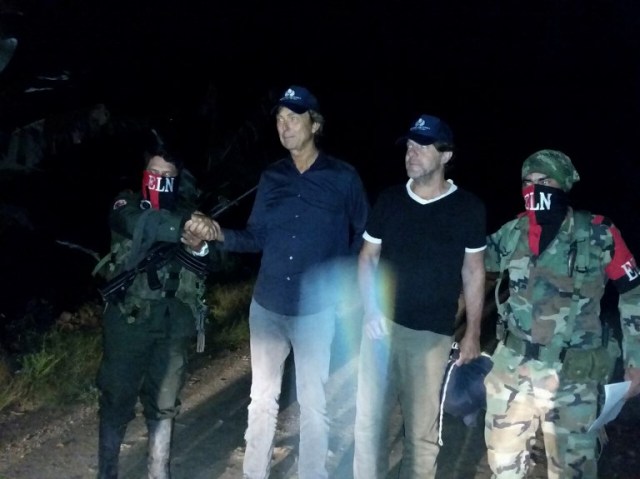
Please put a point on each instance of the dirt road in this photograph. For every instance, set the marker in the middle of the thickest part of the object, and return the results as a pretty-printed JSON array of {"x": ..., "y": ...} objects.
[{"x": 208, "y": 441}]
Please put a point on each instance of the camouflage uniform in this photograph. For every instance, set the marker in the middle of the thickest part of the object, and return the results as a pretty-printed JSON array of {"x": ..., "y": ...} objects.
[
  {"x": 147, "y": 328},
  {"x": 146, "y": 334},
  {"x": 534, "y": 382}
]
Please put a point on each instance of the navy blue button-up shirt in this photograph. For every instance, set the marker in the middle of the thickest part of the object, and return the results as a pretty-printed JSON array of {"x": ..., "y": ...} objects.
[{"x": 303, "y": 223}]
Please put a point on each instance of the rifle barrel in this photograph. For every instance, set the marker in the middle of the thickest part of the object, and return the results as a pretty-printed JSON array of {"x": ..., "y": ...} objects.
[{"x": 216, "y": 212}]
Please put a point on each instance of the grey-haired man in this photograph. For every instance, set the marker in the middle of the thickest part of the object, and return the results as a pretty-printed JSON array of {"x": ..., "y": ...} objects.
[{"x": 310, "y": 210}]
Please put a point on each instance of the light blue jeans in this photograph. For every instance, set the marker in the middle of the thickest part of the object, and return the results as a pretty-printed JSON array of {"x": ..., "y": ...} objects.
[
  {"x": 272, "y": 338},
  {"x": 408, "y": 367}
]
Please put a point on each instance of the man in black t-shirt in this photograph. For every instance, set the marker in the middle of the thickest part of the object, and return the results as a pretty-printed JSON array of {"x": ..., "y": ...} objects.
[{"x": 424, "y": 244}]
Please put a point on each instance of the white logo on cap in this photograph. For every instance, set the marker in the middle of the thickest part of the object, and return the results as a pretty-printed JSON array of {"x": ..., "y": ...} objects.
[
  {"x": 290, "y": 94},
  {"x": 420, "y": 125}
]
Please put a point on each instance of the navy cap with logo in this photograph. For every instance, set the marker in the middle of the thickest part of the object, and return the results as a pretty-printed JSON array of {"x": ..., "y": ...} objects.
[
  {"x": 428, "y": 130},
  {"x": 297, "y": 99}
]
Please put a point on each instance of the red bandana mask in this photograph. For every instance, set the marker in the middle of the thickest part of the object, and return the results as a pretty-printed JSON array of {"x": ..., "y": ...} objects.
[
  {"x": 546, "y": 208},
  {"x": 158, "y": 192}
]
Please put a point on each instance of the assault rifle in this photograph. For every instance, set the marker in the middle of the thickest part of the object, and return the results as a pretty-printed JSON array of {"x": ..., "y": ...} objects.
[{"x": 159, "y": 255}]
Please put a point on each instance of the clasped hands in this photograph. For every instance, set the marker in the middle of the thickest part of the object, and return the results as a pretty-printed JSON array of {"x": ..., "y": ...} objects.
[{"x": 198, "y": 229}]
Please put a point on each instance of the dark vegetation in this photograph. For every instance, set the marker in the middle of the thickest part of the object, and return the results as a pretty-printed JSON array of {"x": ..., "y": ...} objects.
[{"x": 58, "y": 176}]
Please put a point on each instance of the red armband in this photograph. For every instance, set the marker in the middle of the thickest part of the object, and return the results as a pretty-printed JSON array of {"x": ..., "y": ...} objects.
[{"x": 622, "y": 269}]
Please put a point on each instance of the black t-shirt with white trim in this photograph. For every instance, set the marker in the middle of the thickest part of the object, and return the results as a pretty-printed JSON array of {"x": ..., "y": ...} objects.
[{"x": 423, "y": 243}]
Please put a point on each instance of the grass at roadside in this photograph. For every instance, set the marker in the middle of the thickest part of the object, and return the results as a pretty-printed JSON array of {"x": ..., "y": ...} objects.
[
  {"x": 228, "y": 320},
  {"x": 63, "y": 368}
]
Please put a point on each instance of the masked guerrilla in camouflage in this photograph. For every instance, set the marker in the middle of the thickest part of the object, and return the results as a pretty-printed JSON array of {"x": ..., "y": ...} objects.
[
  {"x": 541, "y": 288},
  {"x": 547, "y": 368},
  {"x": 151, "y": 317}
]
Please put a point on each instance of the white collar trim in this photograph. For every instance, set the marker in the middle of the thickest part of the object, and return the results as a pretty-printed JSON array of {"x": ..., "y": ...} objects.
[{"x": 422, "y": 201}]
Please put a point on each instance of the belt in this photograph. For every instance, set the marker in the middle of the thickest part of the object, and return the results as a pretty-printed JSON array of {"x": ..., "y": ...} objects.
[{"x": 529, "y": 350}]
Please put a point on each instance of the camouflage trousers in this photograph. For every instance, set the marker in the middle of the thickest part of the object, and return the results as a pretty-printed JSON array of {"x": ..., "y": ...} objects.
[{"x": 524, "y": 395}]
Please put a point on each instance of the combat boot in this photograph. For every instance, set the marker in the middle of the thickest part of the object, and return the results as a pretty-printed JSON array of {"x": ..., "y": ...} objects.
[
  {"x": 109, "y": 440},
  {"x": 159, "y": 448}
]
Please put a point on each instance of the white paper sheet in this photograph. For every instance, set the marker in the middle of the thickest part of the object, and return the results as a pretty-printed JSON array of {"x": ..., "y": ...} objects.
[{"x": 613, "y": 402}]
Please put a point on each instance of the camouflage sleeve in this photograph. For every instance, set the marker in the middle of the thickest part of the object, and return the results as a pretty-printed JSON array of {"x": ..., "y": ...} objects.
[
  {"x": 496, "y": 244},
  {"x": 492, "y": 253},
  {"x": 629, "y": 307}
]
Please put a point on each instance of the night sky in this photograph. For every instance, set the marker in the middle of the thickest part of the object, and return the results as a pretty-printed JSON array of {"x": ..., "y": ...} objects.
[{"x": 509, "y": 77}]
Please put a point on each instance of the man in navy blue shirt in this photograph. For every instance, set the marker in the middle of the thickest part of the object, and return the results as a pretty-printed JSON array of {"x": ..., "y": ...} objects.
[{"x": 310, "y": 210}]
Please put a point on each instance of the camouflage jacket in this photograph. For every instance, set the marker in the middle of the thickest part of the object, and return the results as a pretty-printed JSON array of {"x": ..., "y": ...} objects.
[
  {"x": 133, "y": 232},
  {"x": 541, "y": 287}
]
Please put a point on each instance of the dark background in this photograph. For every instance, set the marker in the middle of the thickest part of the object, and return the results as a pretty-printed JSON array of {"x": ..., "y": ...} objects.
[{"x": 509, "y": 77}]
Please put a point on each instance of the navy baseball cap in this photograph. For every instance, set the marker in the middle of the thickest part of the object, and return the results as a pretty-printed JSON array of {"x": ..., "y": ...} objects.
[
  {"x": 297, "y": 99},
  {"x": 427, "y": 130},
  {"x": 464, "y": 392}
]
